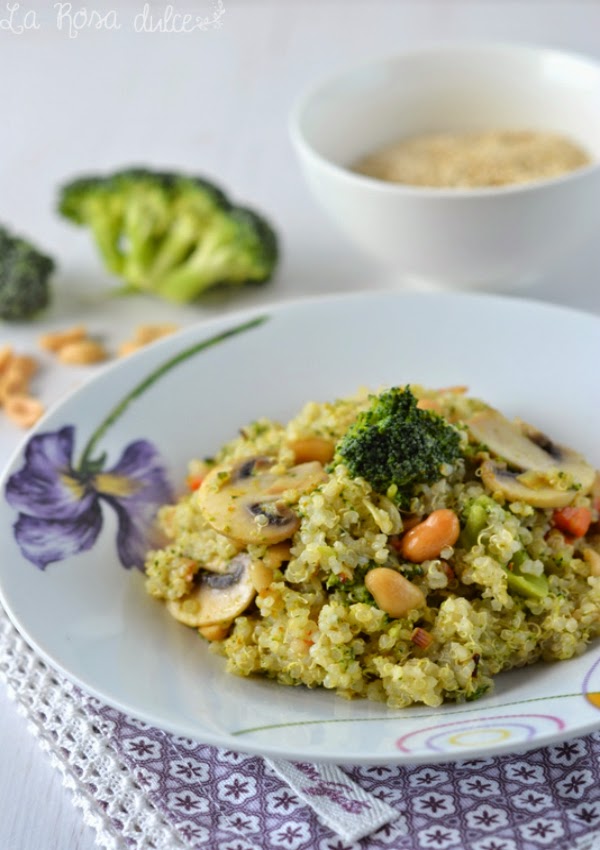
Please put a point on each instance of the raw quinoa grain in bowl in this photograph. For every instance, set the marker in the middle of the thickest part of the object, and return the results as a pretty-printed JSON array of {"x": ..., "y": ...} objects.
[{"x": 404, "y": 546}]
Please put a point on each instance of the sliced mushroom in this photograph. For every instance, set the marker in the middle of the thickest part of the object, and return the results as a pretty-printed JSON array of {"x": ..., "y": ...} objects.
[
  {"x": 498, "y": 479},
  {"x": 506, "y": 440},
  {"x": 217, "y": 598},
  {"x": 246, "y": 504},
  {"x": 547, "y": 474}
]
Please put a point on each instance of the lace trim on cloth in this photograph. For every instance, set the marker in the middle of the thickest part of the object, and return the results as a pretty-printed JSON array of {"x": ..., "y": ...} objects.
[{"x": 101, "y": 785}]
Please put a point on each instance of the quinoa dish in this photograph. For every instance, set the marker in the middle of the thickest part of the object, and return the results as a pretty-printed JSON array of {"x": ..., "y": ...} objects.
[{"x": 405, "y": 546}]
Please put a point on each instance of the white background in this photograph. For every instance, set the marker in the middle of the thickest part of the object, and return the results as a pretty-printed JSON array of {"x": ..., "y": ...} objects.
[{"x": 216, "y": 103}]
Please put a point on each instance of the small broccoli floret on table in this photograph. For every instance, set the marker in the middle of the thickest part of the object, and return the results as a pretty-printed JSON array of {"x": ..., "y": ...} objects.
[
  {"x": 24, "y": 278},
  {"x": 394, "y": 444},
  {"x": 169, "y": 234}
]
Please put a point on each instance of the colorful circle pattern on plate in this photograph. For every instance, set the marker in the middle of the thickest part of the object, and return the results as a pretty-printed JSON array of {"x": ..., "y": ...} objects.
[
  {"x": 591, "y": 684},
  {"x": 481, "y": 733}
]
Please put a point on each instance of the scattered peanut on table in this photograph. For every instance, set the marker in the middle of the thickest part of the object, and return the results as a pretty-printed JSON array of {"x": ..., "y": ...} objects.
[
  {"x": 16, "y": 371},
  {"x": 82, "y": 352},
  {"x": 53, "y": 341},
  {"x": 72, "y": 346},
  {"x": 23, "y": 410},
  {"x": 144, "y": 335}
]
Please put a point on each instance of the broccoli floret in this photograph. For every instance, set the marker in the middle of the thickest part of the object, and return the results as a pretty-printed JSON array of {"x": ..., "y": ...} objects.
[
  {"x": 170, "y": 234},
  {"x": 24, "y": 274},
  {"x": 394, "y": 444}
]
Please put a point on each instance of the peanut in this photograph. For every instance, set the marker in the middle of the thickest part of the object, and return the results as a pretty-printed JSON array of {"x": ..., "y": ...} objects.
[
  {"x": 429, "y": 404},
  {"x": 592, "y": 558},
  {"x": 312, "y": 448},
  {"x": 216, "y": 632},
  {"x": 427, "y": 539},
  {"x": 276, "y": 555},
  {"x": 144, "y": 335},
  {"x": 393, "y": 593},
  {"x": 23, "y": 410},
  {"x": 22, "y": 364},
  {"x": 6, "y": 355},
  {"x": 260, "y": 576},
  {"x": 82, "y": 352},
  {"x": 128, "y": 347},
  {"x": 15, "y": 371},
  {"x": 11, "y": 385},
  {"x": 15, "y": 376},
  {"x": 55, "y": 340}
]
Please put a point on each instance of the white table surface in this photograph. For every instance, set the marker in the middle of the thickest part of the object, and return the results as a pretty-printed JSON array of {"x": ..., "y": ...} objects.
[{"x": 215, "y": 102}]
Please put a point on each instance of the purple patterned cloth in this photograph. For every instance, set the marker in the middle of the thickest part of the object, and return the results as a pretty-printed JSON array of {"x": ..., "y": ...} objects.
[{"x": 221, "y": 800}]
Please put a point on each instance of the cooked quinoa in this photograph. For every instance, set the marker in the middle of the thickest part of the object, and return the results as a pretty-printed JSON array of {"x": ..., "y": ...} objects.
[{"x": 299, "y": 587}]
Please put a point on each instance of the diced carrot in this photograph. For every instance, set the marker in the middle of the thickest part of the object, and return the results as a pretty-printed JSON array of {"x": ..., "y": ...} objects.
[
  {"x": 450, "y": 574},
  {"x": 194, "y": 481},
  {"x": 421, "y": 638},
  {"x": 574, "y": 521}
]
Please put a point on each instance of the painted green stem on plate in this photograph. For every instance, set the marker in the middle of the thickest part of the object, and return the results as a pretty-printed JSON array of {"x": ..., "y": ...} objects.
[
  {"x": 394, "y": 717},
  {"x": 86, "y": 457}
]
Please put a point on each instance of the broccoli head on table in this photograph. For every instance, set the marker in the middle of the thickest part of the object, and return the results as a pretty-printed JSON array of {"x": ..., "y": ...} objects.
[
  {"x": 24, "y": 278},
  {"x": 169, "y": 234}
]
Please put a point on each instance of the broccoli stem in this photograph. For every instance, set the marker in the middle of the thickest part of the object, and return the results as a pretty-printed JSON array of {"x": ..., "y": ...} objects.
[
  {"x": 210, "y": 263},
  {"x": 108, "y": 236},
  {"x": 176, "y": 246}
]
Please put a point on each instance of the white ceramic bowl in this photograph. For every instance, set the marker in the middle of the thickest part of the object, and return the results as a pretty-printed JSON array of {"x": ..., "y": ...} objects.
[{"x": 455, "y": 237}]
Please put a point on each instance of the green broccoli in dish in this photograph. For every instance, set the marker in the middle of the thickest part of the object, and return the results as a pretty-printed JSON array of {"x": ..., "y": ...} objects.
[
  {"x": 24, "y": 278},
  {"x": 169, "y": 234},
  {"x": 394, "y": 444}
]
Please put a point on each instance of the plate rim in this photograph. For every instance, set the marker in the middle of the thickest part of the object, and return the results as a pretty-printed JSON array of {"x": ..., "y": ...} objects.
[{"x": 201, "y": 330}]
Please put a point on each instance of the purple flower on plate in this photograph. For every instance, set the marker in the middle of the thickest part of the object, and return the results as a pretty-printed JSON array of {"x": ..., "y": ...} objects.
[
  {"x": 60, "y": 501},
  {"x": 60, "y": 505}
]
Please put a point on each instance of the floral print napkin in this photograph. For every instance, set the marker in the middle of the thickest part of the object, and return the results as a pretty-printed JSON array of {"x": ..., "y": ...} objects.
[{"x": 224, "y": 800}]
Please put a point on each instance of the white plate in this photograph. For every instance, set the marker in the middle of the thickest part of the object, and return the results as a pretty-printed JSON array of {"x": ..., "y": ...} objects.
[{"x": 91, "y": 618}]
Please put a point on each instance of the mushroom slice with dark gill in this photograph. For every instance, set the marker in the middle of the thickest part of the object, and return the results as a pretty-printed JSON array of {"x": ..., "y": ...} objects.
[
  {"x": 530, "y": 467},
  {"x": 245, "y": 502},
  {"x": 217, "y": 597}
]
